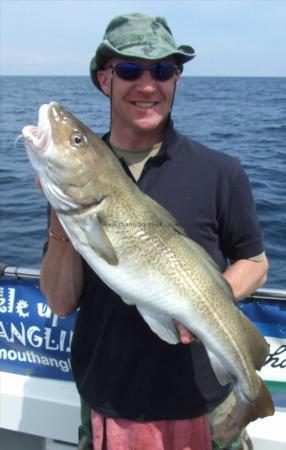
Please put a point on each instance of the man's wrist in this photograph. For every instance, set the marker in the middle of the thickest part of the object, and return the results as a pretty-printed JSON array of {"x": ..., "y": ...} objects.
[{"x": 57, "y": 236}]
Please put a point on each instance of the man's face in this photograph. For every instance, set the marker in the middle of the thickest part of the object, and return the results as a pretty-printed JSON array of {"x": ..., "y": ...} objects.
[{"x": 141, "y": 105}]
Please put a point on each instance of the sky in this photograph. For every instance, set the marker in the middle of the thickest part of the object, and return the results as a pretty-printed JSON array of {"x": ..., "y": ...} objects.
[{"x": 59, "y": 37}]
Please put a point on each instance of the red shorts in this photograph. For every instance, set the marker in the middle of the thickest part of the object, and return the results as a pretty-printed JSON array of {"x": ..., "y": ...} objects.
[{"x": 121, "y": 434}]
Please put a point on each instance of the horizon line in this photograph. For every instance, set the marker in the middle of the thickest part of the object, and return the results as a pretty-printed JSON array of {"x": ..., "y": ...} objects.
[{"x": 183, "y": 76}]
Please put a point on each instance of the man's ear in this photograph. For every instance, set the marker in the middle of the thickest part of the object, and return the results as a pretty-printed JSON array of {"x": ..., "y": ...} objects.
[{"x": 104, "y": 81}]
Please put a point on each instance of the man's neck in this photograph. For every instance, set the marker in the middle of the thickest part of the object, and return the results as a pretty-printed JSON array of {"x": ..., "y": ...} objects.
[{"x": 131, "y": 140}]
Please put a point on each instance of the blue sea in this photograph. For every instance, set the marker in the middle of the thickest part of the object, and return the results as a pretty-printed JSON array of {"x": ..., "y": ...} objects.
[{"x": 243, "y": 117}]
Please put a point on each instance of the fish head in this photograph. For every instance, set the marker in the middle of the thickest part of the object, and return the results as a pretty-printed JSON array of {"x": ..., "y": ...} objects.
[{"x": 71, "y": 161}]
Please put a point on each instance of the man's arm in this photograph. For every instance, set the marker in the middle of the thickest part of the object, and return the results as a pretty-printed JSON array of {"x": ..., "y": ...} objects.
[
  {"x": 245, "y": 276},
  {"x": 61, "y": 272}
]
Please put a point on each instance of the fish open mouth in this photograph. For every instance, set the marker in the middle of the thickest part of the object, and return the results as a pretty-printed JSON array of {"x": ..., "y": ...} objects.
[
  {"x": 34, "y": 131},
  {"x": 37, "y": 136}
]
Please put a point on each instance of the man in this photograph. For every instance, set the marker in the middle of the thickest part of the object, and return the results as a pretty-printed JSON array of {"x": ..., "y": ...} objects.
[{"x": 144, "y": 393}]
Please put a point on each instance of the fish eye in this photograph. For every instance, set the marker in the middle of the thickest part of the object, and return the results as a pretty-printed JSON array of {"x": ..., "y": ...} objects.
[{"x": 78, "y": 140}]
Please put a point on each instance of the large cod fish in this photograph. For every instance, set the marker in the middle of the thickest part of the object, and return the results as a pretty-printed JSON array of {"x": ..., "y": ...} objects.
[{"x": 140, "y": 252}]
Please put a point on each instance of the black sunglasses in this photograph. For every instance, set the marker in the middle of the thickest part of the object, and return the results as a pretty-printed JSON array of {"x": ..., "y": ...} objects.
[{"x": 130, "y": 71}]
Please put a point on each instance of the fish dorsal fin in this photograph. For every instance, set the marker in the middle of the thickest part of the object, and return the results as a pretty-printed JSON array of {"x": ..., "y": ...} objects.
[
  {"x": 99, "y": 241},
  {"x": 163, "y": 216},
  {"x": 257, "y": 344},
  {"x": 161, "y": 324},
  {"x": 201, "y": 253},
  {"x": 210, "y": 265}
]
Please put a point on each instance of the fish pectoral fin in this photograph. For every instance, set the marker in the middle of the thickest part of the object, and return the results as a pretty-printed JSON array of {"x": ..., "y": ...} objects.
[
  {"x": 99, "y": 241},
  {"x": 222, "y": 375},
  {"x": 257, "y": 344},
  {"x": 161, "y": 324}
]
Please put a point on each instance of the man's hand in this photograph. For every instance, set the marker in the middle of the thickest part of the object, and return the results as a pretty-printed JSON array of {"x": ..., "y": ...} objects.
[{"x": 186, "y": 337}]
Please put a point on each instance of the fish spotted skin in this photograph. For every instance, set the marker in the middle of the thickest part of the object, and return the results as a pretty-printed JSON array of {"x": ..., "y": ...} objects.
[{"x": 141, "y": 253}]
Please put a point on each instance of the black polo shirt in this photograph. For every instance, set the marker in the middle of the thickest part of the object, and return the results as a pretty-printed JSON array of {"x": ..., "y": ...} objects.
[{"x": 121, "y": 367}]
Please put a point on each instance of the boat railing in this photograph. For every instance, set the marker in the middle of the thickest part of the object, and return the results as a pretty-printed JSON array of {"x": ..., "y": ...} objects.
[
  {"x": 19, "y": 272},
  {"x": 26, "y": 273},
  {"x": 269, "y": 294}
]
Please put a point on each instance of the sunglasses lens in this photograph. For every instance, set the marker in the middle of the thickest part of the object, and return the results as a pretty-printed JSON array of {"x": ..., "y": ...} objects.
[
  {"x": 128, "y": 71},
  {"x": 161, "y": 71}
]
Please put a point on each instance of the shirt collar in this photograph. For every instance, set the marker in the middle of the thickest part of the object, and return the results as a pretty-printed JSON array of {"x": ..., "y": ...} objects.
[{"x": 170, "y": 145}]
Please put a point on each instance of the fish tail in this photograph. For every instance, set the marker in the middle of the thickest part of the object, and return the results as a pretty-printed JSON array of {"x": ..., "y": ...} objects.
[
  {"x": 235, "y": 413},
  {"x": 261, "y": 407}
]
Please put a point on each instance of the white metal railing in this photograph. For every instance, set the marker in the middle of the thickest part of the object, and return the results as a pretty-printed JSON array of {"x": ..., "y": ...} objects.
[
  {"x": 19, "y": 272},
  {"x": 25, "y": 272},
  {"x": 269, "y": 294}
]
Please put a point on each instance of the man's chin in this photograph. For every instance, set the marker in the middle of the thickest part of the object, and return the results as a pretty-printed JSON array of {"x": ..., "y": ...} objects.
[{"x": 149, "y": 125}]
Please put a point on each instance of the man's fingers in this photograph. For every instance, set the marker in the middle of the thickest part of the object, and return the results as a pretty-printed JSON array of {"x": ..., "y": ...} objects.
[{"x": 186, "y": 337}]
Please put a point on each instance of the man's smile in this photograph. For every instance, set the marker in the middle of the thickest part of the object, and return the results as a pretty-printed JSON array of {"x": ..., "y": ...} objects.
[{"x": 145, "y": 105}]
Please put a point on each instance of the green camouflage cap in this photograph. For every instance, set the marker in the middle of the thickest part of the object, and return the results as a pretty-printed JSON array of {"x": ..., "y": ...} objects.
[{"x": 138, "y": 35}]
